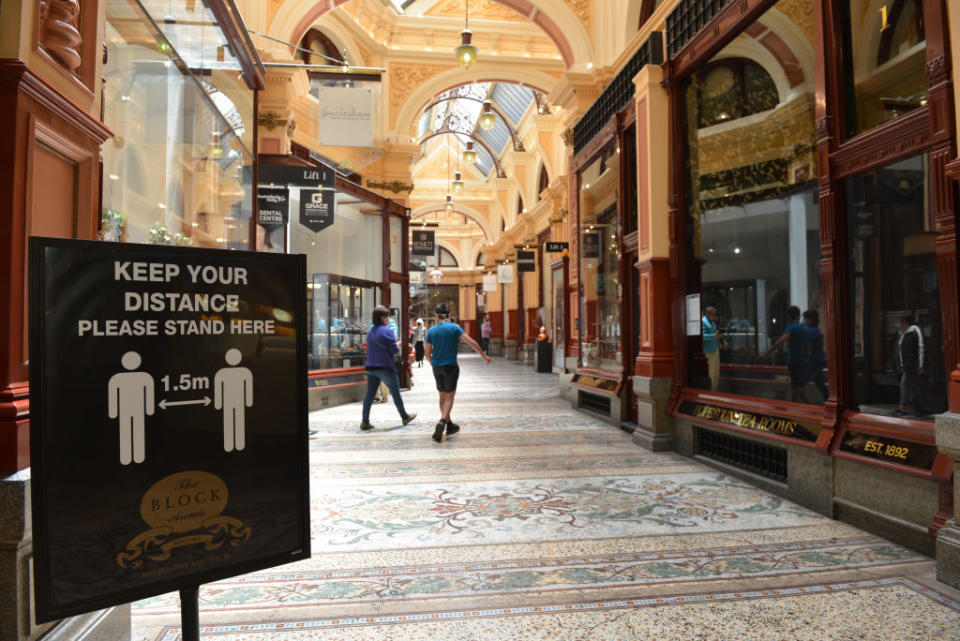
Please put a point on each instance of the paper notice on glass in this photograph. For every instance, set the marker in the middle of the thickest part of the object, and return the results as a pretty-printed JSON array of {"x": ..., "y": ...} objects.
[
  {"x": 505, "y": 274},
  {"x": 693, "y": 314},
  {"x": 489, "y": 283}
]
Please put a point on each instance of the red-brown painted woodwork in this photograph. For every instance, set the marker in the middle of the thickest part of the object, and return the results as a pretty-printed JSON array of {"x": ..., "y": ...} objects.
[
  {"x": 58, "y": 30},
  {"x": 513, "y": 325},
  {"x": 496, "y": 324},
  {"x": 655, "y": 358},
  {"x": 46, "y": 131},
  {"x": 469, "y": 327}
]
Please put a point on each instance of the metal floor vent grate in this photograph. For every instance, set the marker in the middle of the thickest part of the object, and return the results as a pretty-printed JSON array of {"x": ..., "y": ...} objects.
[
  {"x": 595, "y": 403},
  {"x": 759, "y": 458}
]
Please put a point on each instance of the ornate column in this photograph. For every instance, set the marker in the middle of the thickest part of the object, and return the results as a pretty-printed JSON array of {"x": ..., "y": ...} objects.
[{"x": 654, "y": 366}]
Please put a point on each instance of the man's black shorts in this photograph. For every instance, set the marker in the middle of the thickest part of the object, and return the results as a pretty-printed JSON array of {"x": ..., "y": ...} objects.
[
  {"x": 446, "y": 376},
  {"x": 798, "y": 374}
]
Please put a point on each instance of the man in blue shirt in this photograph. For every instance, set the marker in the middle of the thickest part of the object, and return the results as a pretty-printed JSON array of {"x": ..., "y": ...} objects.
[
  {"x": 798, "y": 354},
  {"x": 441, "y": 352}
]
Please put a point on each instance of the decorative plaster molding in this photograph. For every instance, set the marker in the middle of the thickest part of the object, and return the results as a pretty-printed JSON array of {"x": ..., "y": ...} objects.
[{"x": 393, "y": 185}]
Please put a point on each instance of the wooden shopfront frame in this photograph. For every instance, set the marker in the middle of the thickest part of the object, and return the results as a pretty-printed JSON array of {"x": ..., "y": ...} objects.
[
  {"x": 347, "y": 377},
  {"x": 927, "y": 129},
  {"x": 615, "y": 132}
]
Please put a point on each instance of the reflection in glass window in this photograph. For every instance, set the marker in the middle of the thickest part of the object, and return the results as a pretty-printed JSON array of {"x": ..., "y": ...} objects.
[
  {"x": 174, "y": 173},
  {"x": 753, "y": 220},
  {"x": 600, "y": 308},
  {"x": 897, "y": 336},
  {"x": 885, "y": 55}
]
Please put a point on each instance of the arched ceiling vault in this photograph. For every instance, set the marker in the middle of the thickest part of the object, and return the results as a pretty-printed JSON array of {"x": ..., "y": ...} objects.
[{"x": 555, "y": 18}]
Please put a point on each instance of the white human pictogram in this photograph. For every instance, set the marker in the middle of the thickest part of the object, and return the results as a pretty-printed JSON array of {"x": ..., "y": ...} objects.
[
  {"x": 232, "y": 392},
  {"x": 130, "y": 398}
]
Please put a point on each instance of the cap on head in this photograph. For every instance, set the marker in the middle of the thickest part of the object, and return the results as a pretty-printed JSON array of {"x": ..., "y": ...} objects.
[{"x": 443, "y": 310}]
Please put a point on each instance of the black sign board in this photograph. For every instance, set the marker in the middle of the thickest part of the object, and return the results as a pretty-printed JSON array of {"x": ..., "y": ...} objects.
[
  {"x": 168, "y": 422},
  {"x": 556, "y": 248},
  {"x": 273, "y": 206},
  {"x": 779, "y": 425},
  {"x": 318, "y": 177},
  {"x": 591, "y": 244},
  {"x": 316, "y": 208},
  {"x": 422, "y": 243},
  {"x": 890, "y": 450},
  {"x": 526, "y": 261}
]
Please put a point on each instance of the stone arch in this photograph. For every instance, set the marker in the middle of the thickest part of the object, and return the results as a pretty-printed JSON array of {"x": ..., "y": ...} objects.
[
  {"x": 459, "y": 208},
  {"x": 409, "y": 112},
  {"x": 554, "y": 17}
]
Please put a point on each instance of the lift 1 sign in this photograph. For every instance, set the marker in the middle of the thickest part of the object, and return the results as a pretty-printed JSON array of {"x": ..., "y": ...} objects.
[{"x": 168, "y": 419}]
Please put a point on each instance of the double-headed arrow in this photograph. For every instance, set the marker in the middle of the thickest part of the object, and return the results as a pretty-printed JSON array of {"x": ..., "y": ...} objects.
[{"x": 164, "y": 404}]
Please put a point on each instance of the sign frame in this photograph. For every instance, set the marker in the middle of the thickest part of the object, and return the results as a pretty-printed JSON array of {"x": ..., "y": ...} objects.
[
  {"x": 416, "y": 250},
  {"x": 552, "y": 247},
  {"x": 265, "y": 194},
  {"x": 45, "y": 609},
  {"x": 526, "y": 261}
]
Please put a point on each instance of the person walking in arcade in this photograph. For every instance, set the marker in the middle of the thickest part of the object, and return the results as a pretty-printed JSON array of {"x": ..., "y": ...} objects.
[
  {"x": 381, "y": 347},
  {"x": 441, "y": 352}
]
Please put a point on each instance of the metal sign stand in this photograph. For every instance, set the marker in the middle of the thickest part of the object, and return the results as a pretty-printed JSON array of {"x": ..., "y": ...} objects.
[{"x": 190, "y": 613}]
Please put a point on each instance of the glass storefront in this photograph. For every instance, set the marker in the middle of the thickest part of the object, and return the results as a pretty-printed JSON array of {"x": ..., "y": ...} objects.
[
  {"x": 173, "y": 172},
  {"x": 344, "y": 271},
  {"x": 885, "y": 57},
  {"x": 753, "y": 221},
  {"x": 599, "y": 304},
  {"x": 897, "y": 334}
]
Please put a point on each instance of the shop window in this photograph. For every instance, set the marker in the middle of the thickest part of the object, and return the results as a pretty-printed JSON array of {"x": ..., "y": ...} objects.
[
  {"x": 885, "y": 57},
  {"x": 543, "y": 182},
  {"x": 344, "y": 271},
  {"x": 733, "y": 88},
  {"x": 897, "y": 334},
  {"x": 753, "y": 221},
  {"x": 600, "y": 307},
  {"x": 177, "y": 170}
]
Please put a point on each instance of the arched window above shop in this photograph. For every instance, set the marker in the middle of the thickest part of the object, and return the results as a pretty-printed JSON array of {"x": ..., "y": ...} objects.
[
  {"x": 732, "y": 88},
  {"x": 316, "y": 40},
  {"x": 447, "y": 259},
  {"x": 544, "y": 180},
  {"x": 481, "y": 259}
]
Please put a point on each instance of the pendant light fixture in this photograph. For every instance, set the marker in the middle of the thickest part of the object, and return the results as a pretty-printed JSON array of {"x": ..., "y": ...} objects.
[
  {"x": 469, "y": 155},
  {"x": 466, "y": 52},
  {"x": 487, "y": 119},
  {"x": 458, "y": 180},
  {"x": 448, "y": 205}
]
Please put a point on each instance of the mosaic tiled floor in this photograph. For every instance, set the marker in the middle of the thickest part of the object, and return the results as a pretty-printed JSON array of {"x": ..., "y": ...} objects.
[{"x": 537, "y": 522}]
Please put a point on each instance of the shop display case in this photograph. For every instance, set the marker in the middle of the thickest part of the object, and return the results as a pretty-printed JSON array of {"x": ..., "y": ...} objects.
[{"x": 340, "y": 313}]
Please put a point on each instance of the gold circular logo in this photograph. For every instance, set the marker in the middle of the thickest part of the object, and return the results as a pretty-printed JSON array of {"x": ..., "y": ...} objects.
[{"x": 183, "y": 501}]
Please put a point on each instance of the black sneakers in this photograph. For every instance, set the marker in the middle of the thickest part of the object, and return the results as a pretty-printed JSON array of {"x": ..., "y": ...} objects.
[
  {"x": 438, "y": 431},
  {"x": 365, "y": 426},
  {"x": 452, "y": 428}
]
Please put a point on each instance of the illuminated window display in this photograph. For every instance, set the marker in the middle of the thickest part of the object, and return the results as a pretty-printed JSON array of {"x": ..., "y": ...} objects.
[
  {"x": 753, "y": 221},
  {"x": 600, "y": 306}
]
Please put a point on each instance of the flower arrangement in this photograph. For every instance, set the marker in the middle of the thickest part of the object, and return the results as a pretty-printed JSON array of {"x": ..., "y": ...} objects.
[{"x": 159, "y": 235}]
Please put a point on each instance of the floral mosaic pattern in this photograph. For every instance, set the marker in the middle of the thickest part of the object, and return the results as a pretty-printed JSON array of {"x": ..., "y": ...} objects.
[
  {"x": 546, "y": 509},
  {"x": 542, "y": 524}
]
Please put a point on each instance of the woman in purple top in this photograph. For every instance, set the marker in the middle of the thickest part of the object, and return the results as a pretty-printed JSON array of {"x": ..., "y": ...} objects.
[{"x": 381, "y": 346}]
